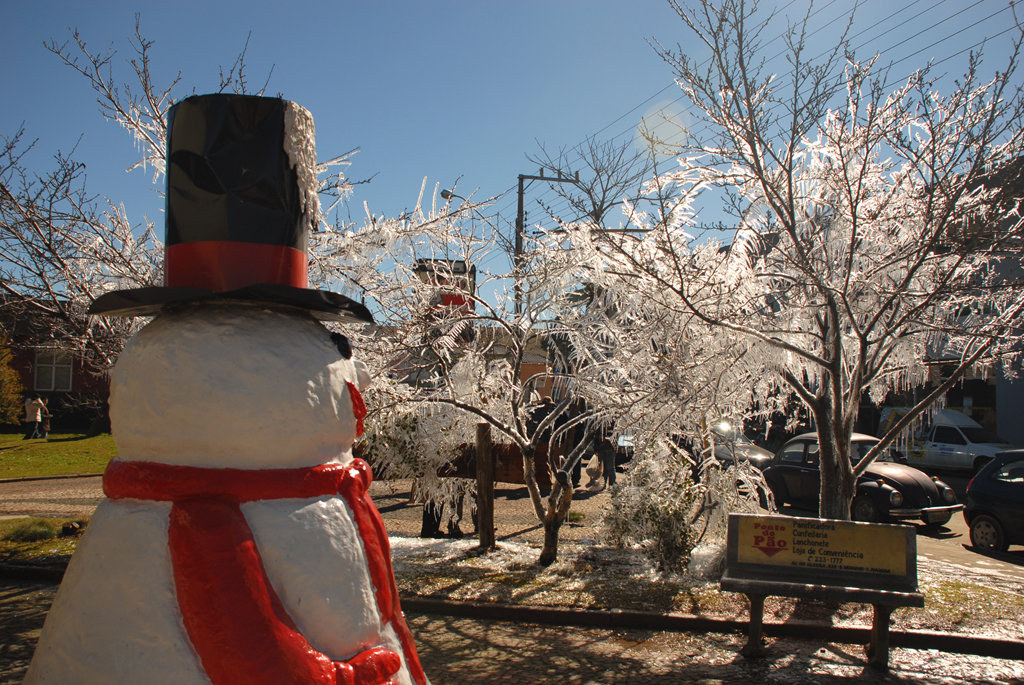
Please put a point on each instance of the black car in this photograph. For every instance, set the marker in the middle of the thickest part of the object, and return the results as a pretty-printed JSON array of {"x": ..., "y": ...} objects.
[
  {"x": 888, "y": 490},
  {"x": 995, "y": 503},
  {"x": 732, "y": 446}
]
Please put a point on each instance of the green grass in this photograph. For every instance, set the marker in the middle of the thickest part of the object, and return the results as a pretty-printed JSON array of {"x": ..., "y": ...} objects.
[
  {"x": 956, "y": 601},
  {"x": 33, "y": 530},
  {"x": 38, "y": 541},
  {"x": 61, "y": 454}
]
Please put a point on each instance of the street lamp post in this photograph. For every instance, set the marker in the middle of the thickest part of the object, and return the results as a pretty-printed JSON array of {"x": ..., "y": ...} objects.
[{"x": 517, "y": 259}]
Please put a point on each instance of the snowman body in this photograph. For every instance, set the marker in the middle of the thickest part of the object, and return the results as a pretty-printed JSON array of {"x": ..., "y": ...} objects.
[{"x": 230, "y": 390}]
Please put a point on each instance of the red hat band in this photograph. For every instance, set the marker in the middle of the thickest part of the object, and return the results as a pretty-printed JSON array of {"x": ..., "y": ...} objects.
[{"x": 223, "y": 265}]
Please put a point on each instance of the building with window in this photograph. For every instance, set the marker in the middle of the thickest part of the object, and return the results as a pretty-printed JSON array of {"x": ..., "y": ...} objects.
[
  {"x": 54, "y": 369},
  {"x": 49, "y": 364}
]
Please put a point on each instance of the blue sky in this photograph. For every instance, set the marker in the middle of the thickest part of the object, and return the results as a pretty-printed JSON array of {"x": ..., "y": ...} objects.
[{"x": 441, "y": 89}]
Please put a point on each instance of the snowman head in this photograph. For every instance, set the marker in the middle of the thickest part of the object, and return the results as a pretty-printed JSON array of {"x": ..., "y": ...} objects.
[{"x": 234, "y": 387}]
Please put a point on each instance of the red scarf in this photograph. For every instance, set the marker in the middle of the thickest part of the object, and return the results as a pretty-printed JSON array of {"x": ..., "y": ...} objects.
[{"x": 233, "y": 616}]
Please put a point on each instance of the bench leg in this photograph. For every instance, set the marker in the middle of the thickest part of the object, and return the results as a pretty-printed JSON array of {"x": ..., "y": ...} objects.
[
  {"x": 878, "y": 650},
  {"x": 754, "y": 648}
]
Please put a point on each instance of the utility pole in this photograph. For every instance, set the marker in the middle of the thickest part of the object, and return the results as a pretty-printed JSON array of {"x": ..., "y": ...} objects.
[{"x": 517, "y": 261}]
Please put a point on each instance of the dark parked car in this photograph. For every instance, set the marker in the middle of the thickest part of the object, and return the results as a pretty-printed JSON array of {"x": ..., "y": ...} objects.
[
  {"x": 887, "y": 491},
  {"x": 731, "y": 446},
  {"x": 995, "y": 503}
]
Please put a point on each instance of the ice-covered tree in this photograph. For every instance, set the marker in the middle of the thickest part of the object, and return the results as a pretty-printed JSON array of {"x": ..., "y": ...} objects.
[
  {"x": 61, "y": 246},
  {"x": 61, "y": 249},
  {"x": 446, "y": 356},
  {"x": 664, "y": 377},
  {"x": 877, "y": 228},
  {"x": 656, "y": 378}
]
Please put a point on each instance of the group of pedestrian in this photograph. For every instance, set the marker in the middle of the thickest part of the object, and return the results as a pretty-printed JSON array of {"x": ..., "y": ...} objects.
[
  {"x": 37, "y": 417},
  {"x": 435, "y": 513}
]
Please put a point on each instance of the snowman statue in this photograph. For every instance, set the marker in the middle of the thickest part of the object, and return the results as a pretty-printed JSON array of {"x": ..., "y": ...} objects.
[{"x": 238, "y": 543}]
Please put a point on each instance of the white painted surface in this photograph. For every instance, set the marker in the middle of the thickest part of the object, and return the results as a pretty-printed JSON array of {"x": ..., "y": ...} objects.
[
  {"x": 314, "y": 558},
  {"x": 235, "y": 387},
  {"x": 952, "y": 417},
  {"x": 115, "y": 618}
]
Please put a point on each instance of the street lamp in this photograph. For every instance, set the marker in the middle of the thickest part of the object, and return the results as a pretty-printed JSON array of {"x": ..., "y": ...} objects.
[
  {"x": 447, "y": 195},
  {"x": 518, "y": 254}
]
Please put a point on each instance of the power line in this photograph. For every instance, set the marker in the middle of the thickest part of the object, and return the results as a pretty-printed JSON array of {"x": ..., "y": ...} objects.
[
  {"x": 901, "y": 42},
  {"x": 560, "y": 204},
  {"x": 892, "y": 47}
]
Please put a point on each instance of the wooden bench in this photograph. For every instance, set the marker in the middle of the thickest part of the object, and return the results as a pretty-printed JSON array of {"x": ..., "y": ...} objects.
[{"x": 840, "y": 561}]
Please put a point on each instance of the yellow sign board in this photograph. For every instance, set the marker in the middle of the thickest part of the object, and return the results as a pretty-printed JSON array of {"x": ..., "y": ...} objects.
[{"x": 819, "y": 543}]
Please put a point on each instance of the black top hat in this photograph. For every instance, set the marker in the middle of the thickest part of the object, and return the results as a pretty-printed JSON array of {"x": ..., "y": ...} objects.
[{"x": 241, "y": 195}]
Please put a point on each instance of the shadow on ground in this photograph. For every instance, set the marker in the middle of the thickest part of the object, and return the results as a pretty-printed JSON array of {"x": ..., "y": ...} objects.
[
  {"x": 23, "y": 607},
  {"x": 457, "y": 650}
]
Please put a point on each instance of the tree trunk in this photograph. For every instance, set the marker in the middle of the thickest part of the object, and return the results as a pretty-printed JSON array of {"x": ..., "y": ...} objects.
[
  {"x": 837, "y": 481},
  {"x": 553, "y": 513},
  {"x": 530, "y": 478},
  {"x": 557, "y": 511}
]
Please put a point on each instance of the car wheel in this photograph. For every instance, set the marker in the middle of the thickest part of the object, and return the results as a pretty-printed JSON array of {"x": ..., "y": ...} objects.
[
  {"x": 980, "y": 463},
  {"x": 987, "y": 534},
  {"x": 940, "y": 522},
  {"x": 864, "y": 509}
]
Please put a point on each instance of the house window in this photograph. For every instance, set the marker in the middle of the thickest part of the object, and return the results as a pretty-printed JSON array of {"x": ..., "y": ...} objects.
[{"x": 53, "y": 370}]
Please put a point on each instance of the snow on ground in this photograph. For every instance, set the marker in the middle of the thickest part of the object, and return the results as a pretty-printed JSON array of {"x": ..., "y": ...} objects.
[{"x": 593, "y": 576}]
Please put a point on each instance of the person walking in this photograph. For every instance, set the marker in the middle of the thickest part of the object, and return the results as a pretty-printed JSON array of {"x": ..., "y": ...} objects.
[
  {"x": 607, "y": 452},
  {"x": 33, "y": 415},
  {"x": 44, "y": 419}
]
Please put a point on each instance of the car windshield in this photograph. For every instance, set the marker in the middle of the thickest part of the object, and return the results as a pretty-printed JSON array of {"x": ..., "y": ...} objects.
[
  {"x": 727, "y": 433},
  {"x": 979, "y": 435}
]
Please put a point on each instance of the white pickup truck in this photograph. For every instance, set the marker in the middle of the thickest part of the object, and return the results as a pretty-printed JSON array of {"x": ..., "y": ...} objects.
[{"x": 956, "y": 441}]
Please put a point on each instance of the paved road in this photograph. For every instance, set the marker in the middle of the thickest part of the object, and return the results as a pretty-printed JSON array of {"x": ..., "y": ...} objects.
[
  {"x": 952, "y": 542},
  {"x": 52, "y": 497}
]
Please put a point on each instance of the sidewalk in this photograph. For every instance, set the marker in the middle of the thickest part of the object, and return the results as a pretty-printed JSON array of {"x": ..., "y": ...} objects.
[{"x": 513, "y": 513}]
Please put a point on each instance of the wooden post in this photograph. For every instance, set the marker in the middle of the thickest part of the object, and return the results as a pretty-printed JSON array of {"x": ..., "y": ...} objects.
[
  {"x": 878, "y": 650},
  {"x": 754, "y": 649},
  {"x": 484, "y": 486}
]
